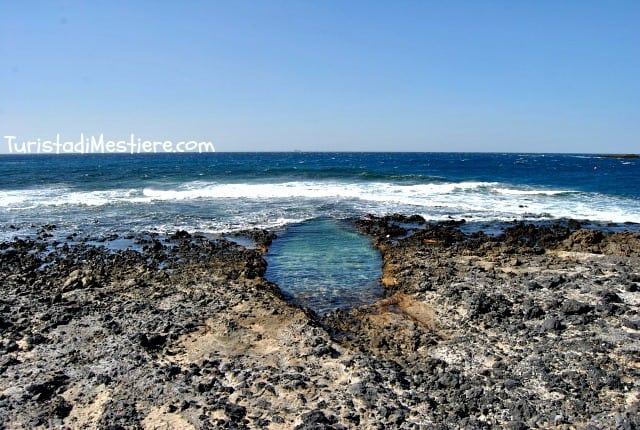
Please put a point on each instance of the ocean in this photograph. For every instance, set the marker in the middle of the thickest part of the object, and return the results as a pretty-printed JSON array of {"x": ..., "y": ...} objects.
[{"x": 99, "y": 195}]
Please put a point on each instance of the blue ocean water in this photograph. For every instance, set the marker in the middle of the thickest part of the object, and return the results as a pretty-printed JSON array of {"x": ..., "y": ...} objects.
[{"x": 220, "y": 192}]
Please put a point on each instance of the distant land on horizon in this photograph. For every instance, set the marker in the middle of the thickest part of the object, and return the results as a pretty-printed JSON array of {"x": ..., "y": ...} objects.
[{"x": 592, "y": 154}]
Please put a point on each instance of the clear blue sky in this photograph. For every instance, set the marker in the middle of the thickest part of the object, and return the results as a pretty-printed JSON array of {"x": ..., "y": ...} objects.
[{"x": 536, "y": 76}]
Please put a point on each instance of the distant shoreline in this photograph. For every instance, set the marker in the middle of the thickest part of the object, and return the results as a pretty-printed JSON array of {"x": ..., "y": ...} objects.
[
  {"x": 217, "y": 152},
  {"x": 617, "y": 156}
]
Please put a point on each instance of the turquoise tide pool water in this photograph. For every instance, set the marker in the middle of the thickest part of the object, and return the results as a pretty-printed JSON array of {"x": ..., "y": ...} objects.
[{"x": 325, "y": 264}]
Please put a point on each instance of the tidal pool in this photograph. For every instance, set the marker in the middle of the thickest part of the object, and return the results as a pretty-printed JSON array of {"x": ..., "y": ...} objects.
[{"x": 325, "y": 264}]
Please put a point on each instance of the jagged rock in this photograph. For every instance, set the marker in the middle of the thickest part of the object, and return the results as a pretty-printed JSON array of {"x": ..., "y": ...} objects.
[
  {"x": 574, "y": 307},
  {"x": 186, "y": 333}
]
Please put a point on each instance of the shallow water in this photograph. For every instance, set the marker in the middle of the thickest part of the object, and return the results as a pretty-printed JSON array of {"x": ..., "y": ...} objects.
[{"x": 325, "y": 264}]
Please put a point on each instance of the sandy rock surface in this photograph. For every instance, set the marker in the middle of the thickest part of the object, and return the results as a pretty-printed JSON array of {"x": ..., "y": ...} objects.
[{"x": 537, "y": 328}]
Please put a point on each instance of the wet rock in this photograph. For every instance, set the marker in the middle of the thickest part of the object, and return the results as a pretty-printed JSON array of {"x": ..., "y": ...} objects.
[
  {"x": 574, "y": 307},
  {"x": 551, "y": 324},
  {"x": 120, "y": 414},
  {"x": 522, "y": 410},
  {"x": 530, "y": 310},
  {"x": 180, "y": 234},
  {"x": 449, "y": 380},
  {"x": 585, "y": 240},
  {"x": 44, "y": 391},
  {"x": 151, "y": 342},
  {"x": 260, "y": 237},
  {"x": 609, "y": 296},
  {"x": 632, "y": 324},
  {"x": 60, "y": 407},
  {"x": 235, "y": 412},
  {"x": 315, "y": 420},
  {"x": 554, "y": 282},
  {"x": 532, "y": 286},
  {"x": 186, "y": 331},
  {"x": 496, "y": 306}
]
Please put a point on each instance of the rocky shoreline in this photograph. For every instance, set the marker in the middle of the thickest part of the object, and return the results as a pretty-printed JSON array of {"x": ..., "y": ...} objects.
[{"x": 536, "y": 328}]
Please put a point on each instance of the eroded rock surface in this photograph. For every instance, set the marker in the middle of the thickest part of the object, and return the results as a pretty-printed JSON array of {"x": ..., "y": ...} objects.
[
  {"x": 531, "y": 329},
  {"x": 536, "y": 328}
]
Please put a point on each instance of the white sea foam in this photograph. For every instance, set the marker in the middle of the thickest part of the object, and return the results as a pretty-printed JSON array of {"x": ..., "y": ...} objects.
[
  {"x": 311, "y": 190},
  {"x": 28, "y": 199},
  {"x": 216, "y": 207}
]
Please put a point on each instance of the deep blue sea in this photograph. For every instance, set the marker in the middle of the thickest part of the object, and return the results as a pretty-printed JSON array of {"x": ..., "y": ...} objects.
[{"x": 97, "y": 195}]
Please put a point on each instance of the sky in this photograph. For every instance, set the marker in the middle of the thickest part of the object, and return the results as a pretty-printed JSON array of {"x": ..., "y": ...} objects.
[{"x": 348, "y": 75}]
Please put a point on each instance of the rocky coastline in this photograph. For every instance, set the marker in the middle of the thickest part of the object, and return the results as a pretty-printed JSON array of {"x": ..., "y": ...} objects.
[{"x": 538, "y": 327}]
